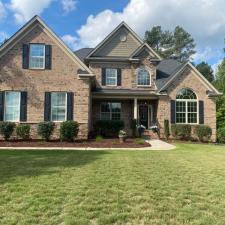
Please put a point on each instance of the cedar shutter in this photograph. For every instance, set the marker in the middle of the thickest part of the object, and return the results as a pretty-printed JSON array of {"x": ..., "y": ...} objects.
[
  {"x": 23, "y": 106},
  {"x": 119, "y": 78},
  {"x": 103, "y": 76},
  {"x": 70, "y": 97},
  {"x": 201, "y": 112},
  {"x": 48, "y": 57},
  {"x": 25, "y": 56},
  {"x": 173, "y": 112},
  {"x": 2, "y": 95},
  {"x": 47, "y": 107}
]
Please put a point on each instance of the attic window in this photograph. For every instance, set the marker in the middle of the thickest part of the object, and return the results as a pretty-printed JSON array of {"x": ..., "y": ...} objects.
[{"x": 123, "y": 37}]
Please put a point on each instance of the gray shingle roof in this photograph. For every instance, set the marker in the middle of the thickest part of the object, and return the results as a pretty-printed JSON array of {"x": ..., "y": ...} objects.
[
  {"x": 83, "y": 53},
  {"x": 166, "y": 69}
]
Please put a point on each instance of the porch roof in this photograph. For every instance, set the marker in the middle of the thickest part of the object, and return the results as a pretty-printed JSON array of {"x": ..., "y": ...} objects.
[{"x": 125, "y": 93}]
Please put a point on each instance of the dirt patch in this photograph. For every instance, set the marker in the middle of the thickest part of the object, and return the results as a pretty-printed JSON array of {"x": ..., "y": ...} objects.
[{"x": 105, "y": 143}]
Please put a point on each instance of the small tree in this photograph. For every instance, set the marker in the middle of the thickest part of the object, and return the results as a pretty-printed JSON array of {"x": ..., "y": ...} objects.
[
  {"x": 166, "y": 129},
  {"x": 6, "y": 129},
  {"x": 69, "y": 130},
  {"x": 45, "y": 130},
  {"x": 23, "y": 131}
]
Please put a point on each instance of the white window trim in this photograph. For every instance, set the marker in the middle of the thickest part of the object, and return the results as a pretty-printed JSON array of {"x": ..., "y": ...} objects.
[
  {"x": 5, "y": 106},
  {"x": 186, "y": 110},
  {"x": 35, "y": 68},
  {"x": 110, "y": 113},
  {"x": 112, "y": 85},
  {"x": 58, "y": 121},
  {"x": 150, "y": 77}
]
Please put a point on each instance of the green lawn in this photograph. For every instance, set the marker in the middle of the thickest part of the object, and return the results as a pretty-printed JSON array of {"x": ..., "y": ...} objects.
[{"x": 182, "y": 186}]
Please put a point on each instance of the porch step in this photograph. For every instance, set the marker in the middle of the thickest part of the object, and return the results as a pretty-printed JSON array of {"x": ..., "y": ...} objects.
[{"x": 149, "y": 134}]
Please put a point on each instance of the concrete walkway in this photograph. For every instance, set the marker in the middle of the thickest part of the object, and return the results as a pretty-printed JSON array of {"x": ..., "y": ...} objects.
[{"x": 155, "y": 145}]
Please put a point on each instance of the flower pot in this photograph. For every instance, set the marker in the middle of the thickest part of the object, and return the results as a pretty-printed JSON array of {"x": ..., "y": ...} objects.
[{"x": 122, "y": 139}]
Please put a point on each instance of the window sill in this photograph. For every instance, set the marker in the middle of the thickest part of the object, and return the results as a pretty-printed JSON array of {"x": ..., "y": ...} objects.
[{"x": 144, "y": 85}]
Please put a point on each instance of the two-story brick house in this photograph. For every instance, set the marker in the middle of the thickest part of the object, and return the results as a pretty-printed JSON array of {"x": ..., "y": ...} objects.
[{"x": 121, "y": 79}]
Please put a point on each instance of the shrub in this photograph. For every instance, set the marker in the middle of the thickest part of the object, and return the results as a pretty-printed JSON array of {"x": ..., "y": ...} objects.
[
  {"x": 140, "y": 141},
  {"x": 99, "y": 138},
  {"x": 6, "y": 129},
  {"x": 108, "y": 127},
  {"x": 69, "y": 130},
  {"x": 203, "y": 132},
  {"x": 133, "y": 127},
  {"x": 166, "y": 129},
  {"x": 23, "y": 131},
  {"x": 181, "y": 131},
  {"x": 221, "y": 135},
  {"x": 45, "y": 130}
]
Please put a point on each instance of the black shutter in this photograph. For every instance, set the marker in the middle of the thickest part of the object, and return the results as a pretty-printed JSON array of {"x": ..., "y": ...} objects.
[
  {"x": 201, "y": 112},
  {"x": 47, "y": 109},
  {"x": 70, "y": 105},
  {"x": 119, "y": 78},
  {"x": 25, "y": 56},
  {"x": 23, "y": 106},
  {"x": 48, "y": 57},
  {"x": 2, "y": 95},
  {"x": 103, "y": 76},
  {"x": 173, "y": 111}
]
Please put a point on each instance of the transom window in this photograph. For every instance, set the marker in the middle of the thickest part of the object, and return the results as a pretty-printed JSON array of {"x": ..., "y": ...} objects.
[
  {"x": 143, "y": 78},
  {"x": 110, "y": 111},
  {"x": 58, "y": 106},
  {"x": 111, "y": 77},
  {"x": 37, "y": 56},
  {"x": 186, "y": 107},
  {"x": 12, "y": 106}
]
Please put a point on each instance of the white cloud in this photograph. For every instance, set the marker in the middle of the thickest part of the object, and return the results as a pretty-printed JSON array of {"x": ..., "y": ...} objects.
[
  {"x": 215, "y": 66},
  {"x": 203, "y": 19},
  {"x": 71, "y": 41},
  {"x": 25, "y": 9},
  {"x": 2, "y": 11},
  {"x": 68, "y": 5}
]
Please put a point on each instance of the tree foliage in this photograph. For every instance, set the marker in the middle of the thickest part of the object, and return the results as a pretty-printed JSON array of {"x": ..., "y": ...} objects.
[
  {"x": 206, "y": 70},
  {"x": 177, "y": 44}
]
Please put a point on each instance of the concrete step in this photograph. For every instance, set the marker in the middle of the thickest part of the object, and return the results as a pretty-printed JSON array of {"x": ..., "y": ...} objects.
[{"x": 149, "y": 134}]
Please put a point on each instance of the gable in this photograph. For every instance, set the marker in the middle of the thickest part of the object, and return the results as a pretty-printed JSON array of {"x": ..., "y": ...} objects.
[{"x": 120, "y": 44}]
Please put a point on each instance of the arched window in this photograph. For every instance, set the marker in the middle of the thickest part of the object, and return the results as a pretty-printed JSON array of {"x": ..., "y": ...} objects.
[
  {"x": 186, "y": 107},
  {"x": 143, "y": 77}
]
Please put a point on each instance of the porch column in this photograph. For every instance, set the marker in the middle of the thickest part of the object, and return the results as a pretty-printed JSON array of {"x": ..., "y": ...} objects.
[{"x": 135, "y": 108}]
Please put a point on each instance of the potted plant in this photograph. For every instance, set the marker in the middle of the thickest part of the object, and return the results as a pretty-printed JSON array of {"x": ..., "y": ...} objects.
[
  {"x": 140, "y": 129},
  {"x": 122, "y": 136}
]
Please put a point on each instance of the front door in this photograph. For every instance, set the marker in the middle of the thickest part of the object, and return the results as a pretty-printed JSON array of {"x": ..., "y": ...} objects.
[{"x": 143, "y": 115}]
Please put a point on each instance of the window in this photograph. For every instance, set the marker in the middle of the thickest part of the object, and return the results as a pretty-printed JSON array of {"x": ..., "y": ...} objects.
[
  {"x": 37, "y": 56},
  {"x": 186, "y": 107},
  {"x": 111, "y": 77},
  {"x": 12, "y": 106},
  {"x": 143, "y": 78},
  {"x": 58, "y": 106},
  {"x": 110, "y": 111}
]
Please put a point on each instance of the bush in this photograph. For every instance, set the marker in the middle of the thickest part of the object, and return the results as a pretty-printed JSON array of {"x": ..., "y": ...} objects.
[
  {"x": 6, "y": 129},
  {"x": 139, "y": 141},
  {"x": 108, "y": 127},
  {"x": 166, "y": 129},
  {"x": 221, "y": 135},
  {"x": 203, "y": 132},
  {"x": 23, "y": 131},
  {"x": 69, "y": 130},
  {"x": 133, "y": 127},
  {"x": 181, "y": 131},
  {"x": 45, "y": 130},
  {"x": 99, "y": 138}
]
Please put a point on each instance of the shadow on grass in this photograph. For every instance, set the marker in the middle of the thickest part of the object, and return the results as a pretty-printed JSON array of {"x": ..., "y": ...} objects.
[{"x": 34, "y": 163}]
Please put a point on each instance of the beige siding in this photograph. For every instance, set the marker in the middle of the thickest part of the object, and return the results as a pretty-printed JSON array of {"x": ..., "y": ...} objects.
[{"x": 114, "y": 47}]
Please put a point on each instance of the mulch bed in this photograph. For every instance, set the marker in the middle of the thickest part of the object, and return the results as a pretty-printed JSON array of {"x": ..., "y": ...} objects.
[{"x": 105, "y": 143}]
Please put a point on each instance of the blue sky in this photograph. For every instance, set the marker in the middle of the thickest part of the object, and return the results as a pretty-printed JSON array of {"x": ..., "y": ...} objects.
[{"x": 84, "y": 23}]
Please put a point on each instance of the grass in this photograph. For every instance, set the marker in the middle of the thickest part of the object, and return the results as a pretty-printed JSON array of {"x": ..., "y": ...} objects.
[{"x": 182, "y": 186}]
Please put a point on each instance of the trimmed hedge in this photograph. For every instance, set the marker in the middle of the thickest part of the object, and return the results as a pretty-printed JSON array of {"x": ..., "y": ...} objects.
[
  {"x": 69, "y": 130},
  {"x": 203, "y": 132},
  {"x": 23, "y": 131},
  {"x": 108, "y": 127},
  {"x": 221, "y": 135},
  {"x": 6, "y": 129},
  {"x": 45, "y": 130},
  {"x": 181, "y": 131}
]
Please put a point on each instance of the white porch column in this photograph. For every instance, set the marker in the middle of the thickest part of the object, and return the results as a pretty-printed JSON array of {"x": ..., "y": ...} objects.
[{"x": 135, "y": 108}]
